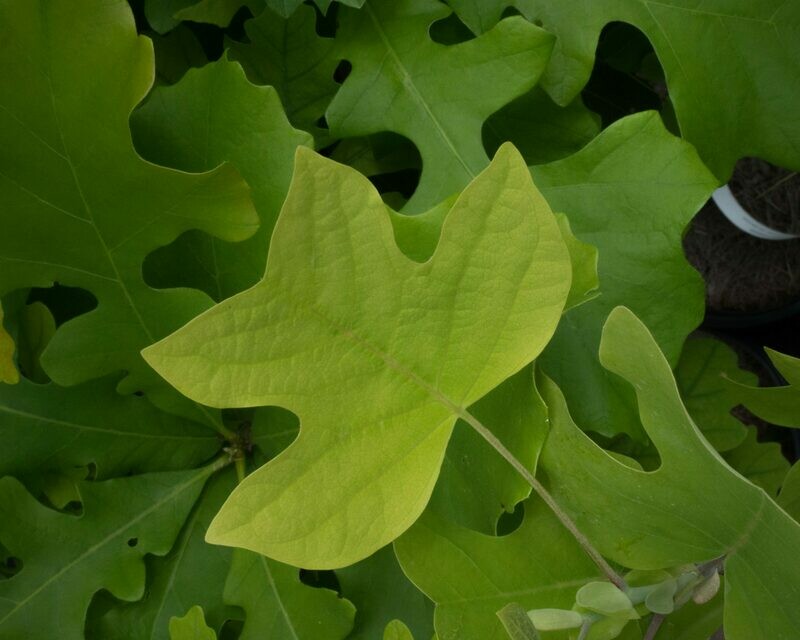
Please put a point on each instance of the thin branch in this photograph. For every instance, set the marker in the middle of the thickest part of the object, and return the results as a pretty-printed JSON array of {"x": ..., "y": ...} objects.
[
  {"x": 549, "y": 500},
  {"x": 655, "y": 624}
]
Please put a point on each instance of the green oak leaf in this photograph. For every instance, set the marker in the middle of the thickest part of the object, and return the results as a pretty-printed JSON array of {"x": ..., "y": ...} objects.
[
  {"x": 192, "y": 626},
  {"x": 693, "y": 508},
  {"x": 165, "y": 15},
  {"x": 67, "y": 559},
  {"x": 762, "y": 463},
  {"x": 435, "y": 95},
  {"x": 214, "y": 115},
  {"x": 277, "y": 605},
  {"x": 470, "y": 575},
  {"x": 192, "y": 572},
  {"x": 378, "y": 355},
  {"x": 290, "y": 56},
  {"x": 8, "y": 370},
  {"x": 630, "y": 193},
  {"x": 702, "y": 375},
  {"x": 715, "y": 54},
  {"x": 778, "y": 405},
  {"x": 78, "y": 204},
  {"x": 381, "y": 593},
  {"x": 52, "y": 428}
]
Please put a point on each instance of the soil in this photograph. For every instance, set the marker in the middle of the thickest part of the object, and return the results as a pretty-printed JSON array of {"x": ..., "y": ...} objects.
[
  {"x": 744, "y": 274},
  {"x": 768, "y": 193}
]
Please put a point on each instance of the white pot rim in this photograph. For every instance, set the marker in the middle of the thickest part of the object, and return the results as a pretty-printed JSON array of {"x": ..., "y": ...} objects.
[{"x": 740, "y": 218}]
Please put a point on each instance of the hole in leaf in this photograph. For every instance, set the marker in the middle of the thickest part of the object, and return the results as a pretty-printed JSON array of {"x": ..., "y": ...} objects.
[
  {"x": 342, "y": 70},
  {"x": 390, "y": 161},
  {"x": 65, "y": 303},
  {"x": 509, "y": 522},
  {"x": 627, "y": 77},
  {"x": 450, "y": 30},
  {"x": 327, "y": 23},
  {"x": 9, "y": 565},
  {"x": 133, "y": 542},
  {"x": 320, "y": 579}
]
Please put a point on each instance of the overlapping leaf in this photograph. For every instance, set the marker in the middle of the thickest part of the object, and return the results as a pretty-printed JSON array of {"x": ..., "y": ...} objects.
[
  {"x": 693, "y": 508},
  {"x": 214, "y": 115},
  {"x": 437, "y": 96},
  {"x": 715, "y": 55},
  {"x": 78, "y": 204},
  {"x": 67, "y": 559},
  {"x": 377, "y": 354},
  {"x": 630, "y": 193}
]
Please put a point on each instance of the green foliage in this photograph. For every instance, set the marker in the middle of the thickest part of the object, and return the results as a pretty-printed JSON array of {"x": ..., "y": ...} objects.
[
  {"x": 378, "y": 434},
  {"x": 701, "y": 47}
]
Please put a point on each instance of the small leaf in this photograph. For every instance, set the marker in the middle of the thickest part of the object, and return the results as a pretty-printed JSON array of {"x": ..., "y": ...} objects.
[
  {"x": 37, "y": 327},
  {"x": 555, "y": 619},
  {"x": 396, "y": 630},
  {"x": 661, "y": 599},
  {"x": 706, "y": 591},
  {"x": 517, "y": 623},
  {"x": 606, "y": 599},
  {"x": 192, "y": 626}
]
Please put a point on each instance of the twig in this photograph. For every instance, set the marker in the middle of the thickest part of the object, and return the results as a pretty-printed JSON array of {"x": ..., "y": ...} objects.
[{"x": 655, "y": 624}]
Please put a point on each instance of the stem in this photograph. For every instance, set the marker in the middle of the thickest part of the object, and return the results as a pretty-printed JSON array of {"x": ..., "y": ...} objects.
[
  {"x": 655, "y": 625},
  {"x": 241, "y": 469},
  {"x": 216, "y": 425},
  {"x": 719, "y": 634},
  {"x": 549, "y": 500}
]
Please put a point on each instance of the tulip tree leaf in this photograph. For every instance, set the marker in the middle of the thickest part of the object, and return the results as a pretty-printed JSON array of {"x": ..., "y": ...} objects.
[
  {"x": 703, "y": 372},
  {"x": 52, "y": 428},
  {"x": 192, "y": 626},
  {"x": 391, "y": 352},
  {"x": 778, "y": 405},
  {"x": 630, "y": 193},
  {"x": 67, "y": 559},
  {"x": 79, "y": 205},
  {"x": 8, "y": 370},
  {"x": 214, "y": 114},
  {"x": 437, "y": 96},
  {"x": 396, "y": 630},
  {"x": 746, "y": 51},
  {"x": 278, "y": 606},
  {"x": 288, "y": 54},
  {"x": 707, "y": 509},
  {"x": 789, "y": 497},
  {"x": 381, "y": 593},
  {"x": 470, "y": 576},
  {"x": 193, "y": 571}
]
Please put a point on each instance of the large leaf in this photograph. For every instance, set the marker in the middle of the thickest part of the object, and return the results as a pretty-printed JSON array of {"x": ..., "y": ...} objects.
[
  {"x": 289, "y": 55},
  {"x": 470, "y": 576},
  {"x": 67, "y": 559},
  {"x": 377, "y": 354},
  {"x": 193, "y": 572},
  {"x": 51, "y": 428},
  {"x": 77, "y": 204},
  {"x": 280, "y": 607},
  {"x": 381, "y": 593},
  {"x": 211, "y": 116},
  {"x": 630, "y": 193},
  {"x": 693, "y": 508},
  {"x": 437, "y": 96},
  {"x": 715, "y": 54}
]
